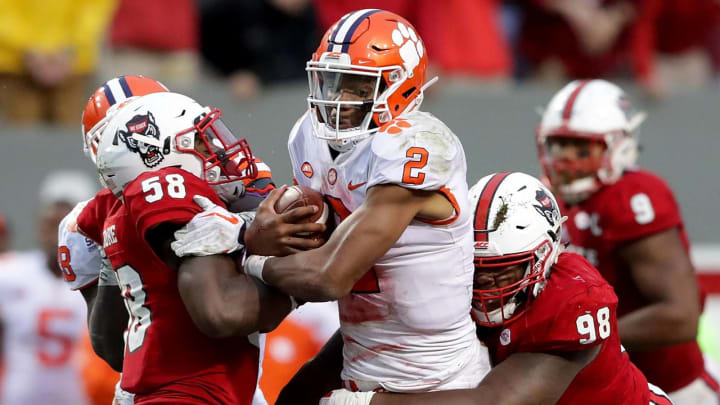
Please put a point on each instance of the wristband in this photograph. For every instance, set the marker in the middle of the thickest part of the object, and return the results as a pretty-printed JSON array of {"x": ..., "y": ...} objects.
[{"x": 253, "y": 266}]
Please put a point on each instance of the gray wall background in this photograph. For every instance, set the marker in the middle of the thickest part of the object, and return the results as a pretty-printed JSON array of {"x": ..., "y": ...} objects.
[{"x": 495, "y": 123}]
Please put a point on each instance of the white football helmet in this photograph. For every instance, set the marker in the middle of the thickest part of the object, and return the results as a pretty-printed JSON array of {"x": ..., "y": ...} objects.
[
  {"x": 516, "y": 221},
  {"x": 169, "y": 129},
  {"x": 598, "y": 111}
]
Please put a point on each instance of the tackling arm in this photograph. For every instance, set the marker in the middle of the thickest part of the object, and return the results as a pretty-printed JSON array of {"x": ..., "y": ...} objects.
[
  {"x": 664, "y": 275},
  {"x": 329, "y": 272},
  {"x": 106, "y": 323},
  {"x": 89, "y": 294},
  {"x": 220, "y": 301},
  {"x": 523, "y": 378}
]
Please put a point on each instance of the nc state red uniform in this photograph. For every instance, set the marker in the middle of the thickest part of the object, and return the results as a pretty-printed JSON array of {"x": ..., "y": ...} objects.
[
  {"x": 575, "y": 311},
  {"x": 91, "y": 219},
  {"x": 167, "y": 359},
  {"x": 640, "y": 204}
]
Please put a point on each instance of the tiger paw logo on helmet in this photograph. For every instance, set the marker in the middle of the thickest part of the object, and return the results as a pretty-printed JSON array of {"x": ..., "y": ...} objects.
[
  {"x": 411, "y": 47},
  {"x": 142, "y": 125}
]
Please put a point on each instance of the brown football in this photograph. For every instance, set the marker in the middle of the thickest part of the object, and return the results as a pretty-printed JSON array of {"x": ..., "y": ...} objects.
[{"x": 301, "y": 196}]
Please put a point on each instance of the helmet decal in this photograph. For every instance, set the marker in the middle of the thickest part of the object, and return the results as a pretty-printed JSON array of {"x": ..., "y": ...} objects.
[
  {"x": 142, "y": 125},
  {"x": 411, "y": 47},
  {"x": 341, "y": 38},
  {"x": 546, "y": 207},
  {"x": 483, "y": 207}
]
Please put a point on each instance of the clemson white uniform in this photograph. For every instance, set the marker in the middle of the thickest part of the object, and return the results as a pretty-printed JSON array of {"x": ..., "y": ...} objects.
[
  {"x": 43, "y": 324},
  {"x": 406, "y": 324},
  {"x": 79, "y": 257}
]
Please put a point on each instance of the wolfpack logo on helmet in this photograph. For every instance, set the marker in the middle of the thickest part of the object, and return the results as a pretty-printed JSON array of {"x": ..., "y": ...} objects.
[
  {"x": 143, "y": 125},
  {"x": 546, "y": 208}
]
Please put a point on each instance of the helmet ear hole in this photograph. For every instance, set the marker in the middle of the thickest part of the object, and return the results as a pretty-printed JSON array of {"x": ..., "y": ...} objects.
[{"x": 407, "y": 93}]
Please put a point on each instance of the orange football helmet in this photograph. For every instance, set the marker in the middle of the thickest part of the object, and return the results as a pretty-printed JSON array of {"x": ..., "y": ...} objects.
[
  {"x": 110, "y": 96},
  {"x": 369, "y": 68}
]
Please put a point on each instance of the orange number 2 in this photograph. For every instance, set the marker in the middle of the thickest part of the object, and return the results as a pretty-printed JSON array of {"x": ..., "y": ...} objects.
[{"x": 419, "y": 158}]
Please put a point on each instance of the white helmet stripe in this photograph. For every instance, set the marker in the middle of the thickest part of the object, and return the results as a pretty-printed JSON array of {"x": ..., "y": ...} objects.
[
  {"x": 114, "y": 91},
  {"x": 344, "y": 28}
]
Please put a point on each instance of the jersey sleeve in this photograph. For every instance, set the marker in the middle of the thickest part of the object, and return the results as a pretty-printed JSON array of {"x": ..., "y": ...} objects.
[
  {"x": 643, "y": 206},
  {"x": 88, "y": 222},
  {"x": 413, "y": 153},
  {"x": 78, "y": 256},
  {"x": 165, "y": 195},
  {"x": 580, "y": 315}
]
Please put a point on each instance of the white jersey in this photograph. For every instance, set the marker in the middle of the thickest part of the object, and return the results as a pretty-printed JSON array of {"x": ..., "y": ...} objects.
[
  {"x": 78, "y": 256},
  {"x": 406, "y": 325},
  {"x": 43, "y": 324}
]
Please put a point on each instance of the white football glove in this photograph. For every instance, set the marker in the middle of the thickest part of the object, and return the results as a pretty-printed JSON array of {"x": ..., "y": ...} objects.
[
  {"x": 213, "y": 231},
  {"x": 345, "y": 397},
  {"x": 122, "y": 397}
]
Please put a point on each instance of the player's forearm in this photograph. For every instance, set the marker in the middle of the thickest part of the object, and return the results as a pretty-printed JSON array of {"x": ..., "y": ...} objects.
[
  {"x": 274, "y": 307},
  {"x": 306, "y": 276},
  {"x": 457, "y": 397},
  {"x": 89, "y": 294},
  {"x": 656, "y": 325},
  {"x": 220, "y": 301},
  {"x": 107, "y": 322}
]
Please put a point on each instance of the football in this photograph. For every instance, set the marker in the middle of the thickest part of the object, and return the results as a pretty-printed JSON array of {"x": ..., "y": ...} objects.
[{"x": 301, "y": 196}]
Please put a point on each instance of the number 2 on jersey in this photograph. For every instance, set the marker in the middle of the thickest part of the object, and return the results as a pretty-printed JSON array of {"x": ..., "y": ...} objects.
[
  {"x": 586, "y": 326},
  {"x": 419, "y": 158}
]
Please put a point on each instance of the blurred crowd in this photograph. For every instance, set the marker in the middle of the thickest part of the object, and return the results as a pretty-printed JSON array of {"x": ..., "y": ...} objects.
[{"x": 52, "y": 54}]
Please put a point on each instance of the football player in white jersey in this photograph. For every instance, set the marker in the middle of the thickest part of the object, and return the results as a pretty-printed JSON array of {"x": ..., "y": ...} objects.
[
  {"x": 400, "y": 262},
  {"x": 42, "y": 322}
]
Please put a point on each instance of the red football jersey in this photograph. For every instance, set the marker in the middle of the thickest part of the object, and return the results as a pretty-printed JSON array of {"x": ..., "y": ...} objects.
[
  {"x": 575, "y": 311},
  {"x": 167, "y": 359},
  {"x": 640, "y": 204},
  {"x": 91, "y": 219}
]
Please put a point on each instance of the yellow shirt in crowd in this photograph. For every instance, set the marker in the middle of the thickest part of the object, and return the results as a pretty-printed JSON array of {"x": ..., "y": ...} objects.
[{"x": 52, "y": 26}]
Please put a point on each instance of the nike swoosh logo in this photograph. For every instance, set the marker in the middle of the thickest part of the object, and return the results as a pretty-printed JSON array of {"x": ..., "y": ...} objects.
[
  {"x": 352, "y": 187},
  {"x": 230, "y": 219}
]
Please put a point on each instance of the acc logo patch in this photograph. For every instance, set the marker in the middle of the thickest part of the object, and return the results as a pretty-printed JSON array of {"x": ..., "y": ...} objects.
[
  {"x": 332, "y": 176},
  {"x": 505, "y": 337},
  {"x": 307, "y": 169},
  {"x": 482, "y": 245},
  {"x": 142, "y": 124}
]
